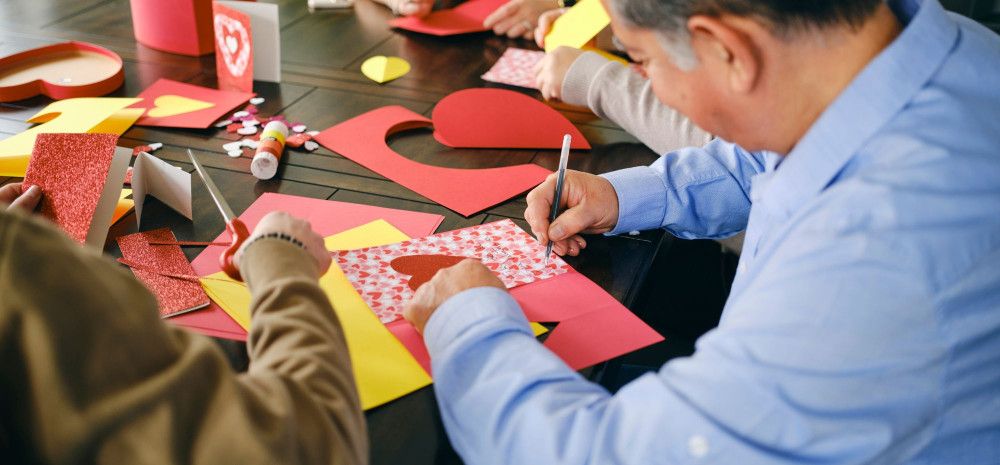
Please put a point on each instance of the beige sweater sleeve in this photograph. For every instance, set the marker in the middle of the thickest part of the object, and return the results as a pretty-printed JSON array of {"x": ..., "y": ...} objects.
[
  {"x": 90, "y": 374},
  {"x": 620, "y": 95}
]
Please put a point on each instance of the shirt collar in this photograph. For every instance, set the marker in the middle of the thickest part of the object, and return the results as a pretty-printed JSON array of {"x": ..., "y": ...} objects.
[{"x": 877, "y": 94}]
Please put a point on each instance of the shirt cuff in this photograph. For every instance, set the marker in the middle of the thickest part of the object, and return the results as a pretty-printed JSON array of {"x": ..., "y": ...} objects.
[
  {"x": 270, "y": 258},
  {"x": 473, "y": 307},
  {"x": 579, "y": 76},
  {"x": 641, "y": 199}
]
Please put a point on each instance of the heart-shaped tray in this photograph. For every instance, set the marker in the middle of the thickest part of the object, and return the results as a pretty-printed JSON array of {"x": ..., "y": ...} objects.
[{"x": 60, "y": 71}]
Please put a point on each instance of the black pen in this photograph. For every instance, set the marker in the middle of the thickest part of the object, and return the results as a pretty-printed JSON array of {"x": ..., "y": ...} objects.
[{"x": 563, "y": 160}]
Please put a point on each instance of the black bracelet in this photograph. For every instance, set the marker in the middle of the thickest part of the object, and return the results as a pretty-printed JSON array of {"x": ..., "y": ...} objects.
[{"x": 275, "y": 235}]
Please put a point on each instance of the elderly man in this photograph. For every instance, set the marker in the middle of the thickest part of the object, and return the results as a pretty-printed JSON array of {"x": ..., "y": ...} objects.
[{"x": 864, "y": 322}]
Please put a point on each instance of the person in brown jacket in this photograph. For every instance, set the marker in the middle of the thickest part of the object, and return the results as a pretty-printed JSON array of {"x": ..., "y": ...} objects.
[{"x": 90, "y": 374}]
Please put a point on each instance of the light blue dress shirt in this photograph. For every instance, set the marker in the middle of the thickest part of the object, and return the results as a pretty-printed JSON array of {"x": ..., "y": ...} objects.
[{"x": 864, "y": 322}]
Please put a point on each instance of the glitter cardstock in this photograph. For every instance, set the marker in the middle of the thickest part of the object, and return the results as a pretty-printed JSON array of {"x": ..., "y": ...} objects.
[
  {"x": 516, "y": 67},
  {"x": 162, "y": 269},
  {"x": 515, "y": 256}
]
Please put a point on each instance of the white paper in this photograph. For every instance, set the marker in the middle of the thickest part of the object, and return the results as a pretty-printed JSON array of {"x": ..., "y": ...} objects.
[
  {"x": 106, "y": 204},
  {"x": 266, "y": 36},
  {"x": 166, "y": 182}
]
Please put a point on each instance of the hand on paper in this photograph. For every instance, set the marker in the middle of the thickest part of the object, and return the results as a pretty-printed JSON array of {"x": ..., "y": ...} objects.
[
  {"x": 589, "y": 204},
  {"x": 13, "y": 195},
  {"x": 301, "y": 230},
  {"x": 545, "y": 24},
  {"x": 550, "y": 72},
  {"x": 517, "y": 18},
  {"x": 418, "y": 8},
  {"x": 447, "y": 282}
]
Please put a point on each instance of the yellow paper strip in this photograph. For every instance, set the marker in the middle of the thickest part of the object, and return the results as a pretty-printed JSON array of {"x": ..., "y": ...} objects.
[{"x": 577, "y": 26}]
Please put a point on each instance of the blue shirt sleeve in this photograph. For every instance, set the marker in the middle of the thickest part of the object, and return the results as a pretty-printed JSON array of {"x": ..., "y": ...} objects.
[{"x": 695, "y": 193}]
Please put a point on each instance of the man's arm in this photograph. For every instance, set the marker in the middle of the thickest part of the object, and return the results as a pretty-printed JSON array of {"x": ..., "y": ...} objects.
[{"x": 90, "y": 373}]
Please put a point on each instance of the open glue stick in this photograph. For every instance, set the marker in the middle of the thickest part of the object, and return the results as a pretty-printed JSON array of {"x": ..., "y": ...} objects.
[{"x": 269, "y": 149}]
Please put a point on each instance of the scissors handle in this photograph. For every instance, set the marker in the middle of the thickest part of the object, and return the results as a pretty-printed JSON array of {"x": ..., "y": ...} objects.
[{"x": 239, "y": 234}]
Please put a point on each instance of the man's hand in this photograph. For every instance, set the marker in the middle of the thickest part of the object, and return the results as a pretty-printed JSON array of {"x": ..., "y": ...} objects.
[
  {"x": 550, "y": 72},
  {"x": 591, "y": 206},
  {"x": 16, "y": 197},
  {"x": 545, "y": 24},
  {"x": 418, "y": 8},
  {"x": 447, "y": 282},
  {"x": 517, "y": 18},
  {"x": 298, "y": 229}
]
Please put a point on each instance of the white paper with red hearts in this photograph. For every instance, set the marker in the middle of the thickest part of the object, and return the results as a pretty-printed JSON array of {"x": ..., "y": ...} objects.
[
  {"x": 515, "y": 257},
  {"x": 516, "y": 67},
  {"x": 234, "y": 44}
]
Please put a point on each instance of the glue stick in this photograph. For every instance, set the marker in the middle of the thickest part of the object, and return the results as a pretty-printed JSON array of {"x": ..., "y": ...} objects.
[{"x": 269, "y": 149}]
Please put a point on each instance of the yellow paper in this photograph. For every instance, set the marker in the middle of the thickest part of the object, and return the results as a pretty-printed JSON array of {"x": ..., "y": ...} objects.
[
  {"x": 383, "y": 369},
  {"x": 578, "y": 25},
  {"x": 124, "y": 206},
  {"x": 606, "y": 54},
  {"x": 170, "y": 105},
  {"x": 76, "y": 115},
  {"x": 383, "y": 69}
]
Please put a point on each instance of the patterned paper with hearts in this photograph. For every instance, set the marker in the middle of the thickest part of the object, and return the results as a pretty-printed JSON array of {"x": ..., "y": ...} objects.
[
  {"x": 515, "y": 256},
  {"x": 233, "y": 48},
  {"x": 516, "y": 67}
]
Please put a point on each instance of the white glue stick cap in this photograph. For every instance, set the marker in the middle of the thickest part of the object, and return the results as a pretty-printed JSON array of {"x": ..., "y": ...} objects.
[{"x": 264, "y": 165}]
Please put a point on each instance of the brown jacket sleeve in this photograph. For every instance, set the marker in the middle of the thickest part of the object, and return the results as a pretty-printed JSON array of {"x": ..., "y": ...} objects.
[{"x": 89, "y": 373}]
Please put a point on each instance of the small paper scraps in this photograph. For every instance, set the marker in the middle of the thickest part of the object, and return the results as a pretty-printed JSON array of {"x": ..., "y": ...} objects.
[
  {"x": 465, "y": 18},
  {"x": 516, "y": 67},
  {"x": 250, "y": 117},
  {"x": 164, "y": 270},
  {"x": 577, "y": 26},
  {"x": 382, "y": 69},
  {"x": 81, "y": 177},
  {"x": 379, "y": 274},
  {"x": 180, "y": 105},
  {"x": 502, "y": 119}
]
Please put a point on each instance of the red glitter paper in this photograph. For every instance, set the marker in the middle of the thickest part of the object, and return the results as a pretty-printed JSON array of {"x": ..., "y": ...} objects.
[
  {"x": 175, "y": 294},
  {"x": 72, "y": 170}
]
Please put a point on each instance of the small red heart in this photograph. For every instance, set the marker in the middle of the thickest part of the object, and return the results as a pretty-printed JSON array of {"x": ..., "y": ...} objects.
[{"x": 421, "y": 268}]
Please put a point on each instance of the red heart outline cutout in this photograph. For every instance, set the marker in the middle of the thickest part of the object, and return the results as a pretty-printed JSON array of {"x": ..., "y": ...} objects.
[
  {"x": 50, "y": 85},
  {"x": 501, "y": 119}
]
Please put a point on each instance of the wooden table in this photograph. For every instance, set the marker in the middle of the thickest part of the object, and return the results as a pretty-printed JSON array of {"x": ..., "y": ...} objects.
[{"x": 321, "y": 86}]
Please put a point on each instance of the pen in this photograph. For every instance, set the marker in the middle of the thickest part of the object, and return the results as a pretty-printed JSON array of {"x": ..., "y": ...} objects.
[{"x": 563, "y": 159}]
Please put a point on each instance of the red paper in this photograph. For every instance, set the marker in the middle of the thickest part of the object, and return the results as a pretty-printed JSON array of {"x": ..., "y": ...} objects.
[
  {"x": 174, "y": 295},
  {"x": 175, "y": 26},
  {"x": 50, "y": 77},
  {"x": 233, "y": 49},
  {"x": 465, "y": 18},
  {"x": 502, "y": 119},
  {"x": 327, "y": 218},
  {"x": 516, "y": 67},
  {"x": 178, "y": 104},
  {"x": 421, "y": 268},
  {"x": 71, "y": 170},
  {"x": 362, "y": 139}
]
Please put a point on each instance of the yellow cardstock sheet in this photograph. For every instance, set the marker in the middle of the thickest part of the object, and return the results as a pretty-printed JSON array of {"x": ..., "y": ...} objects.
[{"x": 577, "y": 26}]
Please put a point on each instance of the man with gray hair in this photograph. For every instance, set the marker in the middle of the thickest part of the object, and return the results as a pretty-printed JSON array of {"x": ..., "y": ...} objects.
[{"x": 857, "y": 146}]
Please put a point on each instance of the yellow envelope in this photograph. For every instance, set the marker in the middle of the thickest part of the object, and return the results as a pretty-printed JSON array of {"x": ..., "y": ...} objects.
[
  {"x": 578, "y": 25},
  {"x": 77, "y": 115},
  {"x": 383, "y": 369}
]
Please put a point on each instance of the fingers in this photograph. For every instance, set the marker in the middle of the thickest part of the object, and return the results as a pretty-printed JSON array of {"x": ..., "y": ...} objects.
[
  {"x": 10, "y": 192},
  {"x": 572, "y": 221},
  {"x": 506, "y": 11},
  {"x": 28, "y": 199},
  {"x": 539, "y": 209},
  {"x": 545, "y": 24},
  {"x": 571, "y": 246},
  {"x": 418, "y": 8}
]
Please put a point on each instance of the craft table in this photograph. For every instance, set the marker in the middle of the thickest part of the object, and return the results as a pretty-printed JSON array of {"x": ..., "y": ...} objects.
[{"x": 322, "y": 85}]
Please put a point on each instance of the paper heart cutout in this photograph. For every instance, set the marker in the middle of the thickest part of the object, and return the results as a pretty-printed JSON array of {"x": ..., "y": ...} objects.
[
  {"x": 421, "y": 268},
  {"x": 170, "y": 105},
  {"x": 501, "y": 119},
  {"x": 382, "y": 69},
  {"x": 60, "y": 71},
  {"x": 234, "y": 42}
]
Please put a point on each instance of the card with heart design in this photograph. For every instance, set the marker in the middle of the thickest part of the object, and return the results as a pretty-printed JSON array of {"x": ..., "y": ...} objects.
[
  {"x": 233, "y": 48},
  {"x": 178, "y": 105},
  {"x": 516, "y": 67},
  {"x": 387, "y": 276}
]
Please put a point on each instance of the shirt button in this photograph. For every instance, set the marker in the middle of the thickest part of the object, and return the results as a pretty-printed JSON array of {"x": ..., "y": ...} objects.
[{"x": 698, "y": 446}]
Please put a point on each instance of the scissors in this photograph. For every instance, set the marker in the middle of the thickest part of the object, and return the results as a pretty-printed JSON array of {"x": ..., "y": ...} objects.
[{"x": 236, "y": 228}]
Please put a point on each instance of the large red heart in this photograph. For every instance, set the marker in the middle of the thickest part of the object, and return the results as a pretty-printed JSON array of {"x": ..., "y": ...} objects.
[
  {"x": 60, "y": 71},
  {"x": 421, "y": 268},
  {"x": 501, "y": 119}
]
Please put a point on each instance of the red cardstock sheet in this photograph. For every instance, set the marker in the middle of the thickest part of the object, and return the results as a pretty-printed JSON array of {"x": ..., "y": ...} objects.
[
  {"x": 175, "y": 295},
  {"x": 501, "y": 119},
  {"x": 233, "y": 48},
  {"x": 327, "y": 218},
  {"x": 591, "y": 326},
  {"x": 71, "y": 170},
  {"x": 466, "y": 191},
  {"x": 463, "y": 19},
  {"x": 179, "y": 105}
]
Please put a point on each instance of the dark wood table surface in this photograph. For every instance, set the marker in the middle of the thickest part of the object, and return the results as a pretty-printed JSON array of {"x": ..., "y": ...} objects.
[{"x": 322, "y": 85}]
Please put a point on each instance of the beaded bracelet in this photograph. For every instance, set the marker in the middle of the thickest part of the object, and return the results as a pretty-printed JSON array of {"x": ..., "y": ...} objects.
[{"x": 275, "y": 235}]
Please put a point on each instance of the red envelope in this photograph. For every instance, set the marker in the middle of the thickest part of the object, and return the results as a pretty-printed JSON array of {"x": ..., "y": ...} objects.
[
  {"x": 179, "y": 105},
  {"x": 233, "y": 49},
  {"x": 465, "y": 18}
]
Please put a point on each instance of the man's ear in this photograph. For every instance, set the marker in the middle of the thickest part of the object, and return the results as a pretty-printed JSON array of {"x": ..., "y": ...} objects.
[{"x": 726, "y": 45}]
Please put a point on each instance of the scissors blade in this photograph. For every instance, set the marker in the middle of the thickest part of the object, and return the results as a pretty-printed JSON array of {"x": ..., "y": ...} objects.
[{"x": 220, "y": 201}]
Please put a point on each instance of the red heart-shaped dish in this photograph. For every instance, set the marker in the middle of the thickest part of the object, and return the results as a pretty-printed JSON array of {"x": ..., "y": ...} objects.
[{"x": 60, "y": 71}]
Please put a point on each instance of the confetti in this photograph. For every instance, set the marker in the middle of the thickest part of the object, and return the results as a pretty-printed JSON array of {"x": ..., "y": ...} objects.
[
  {"x": 232, "y": 146},
  {"x": 249, "y": 143},
  {"x": 313, "y": 133},
  {"x": 241, "y": 114},
  {"x": 296, "y": 140},
  {"x": 250, "y": 123},
  {"x": 311, "y": 145},
  {"x": 257, "y": 100},
  {"x": 235, "y": 153},
  {"x": 233, "y": 127},
  {"x": 247, "y": 131},
  {"x": 299, "y": 128},
  {"x": 156, "y": 146},
  {"x": 223, "y": 123}
]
